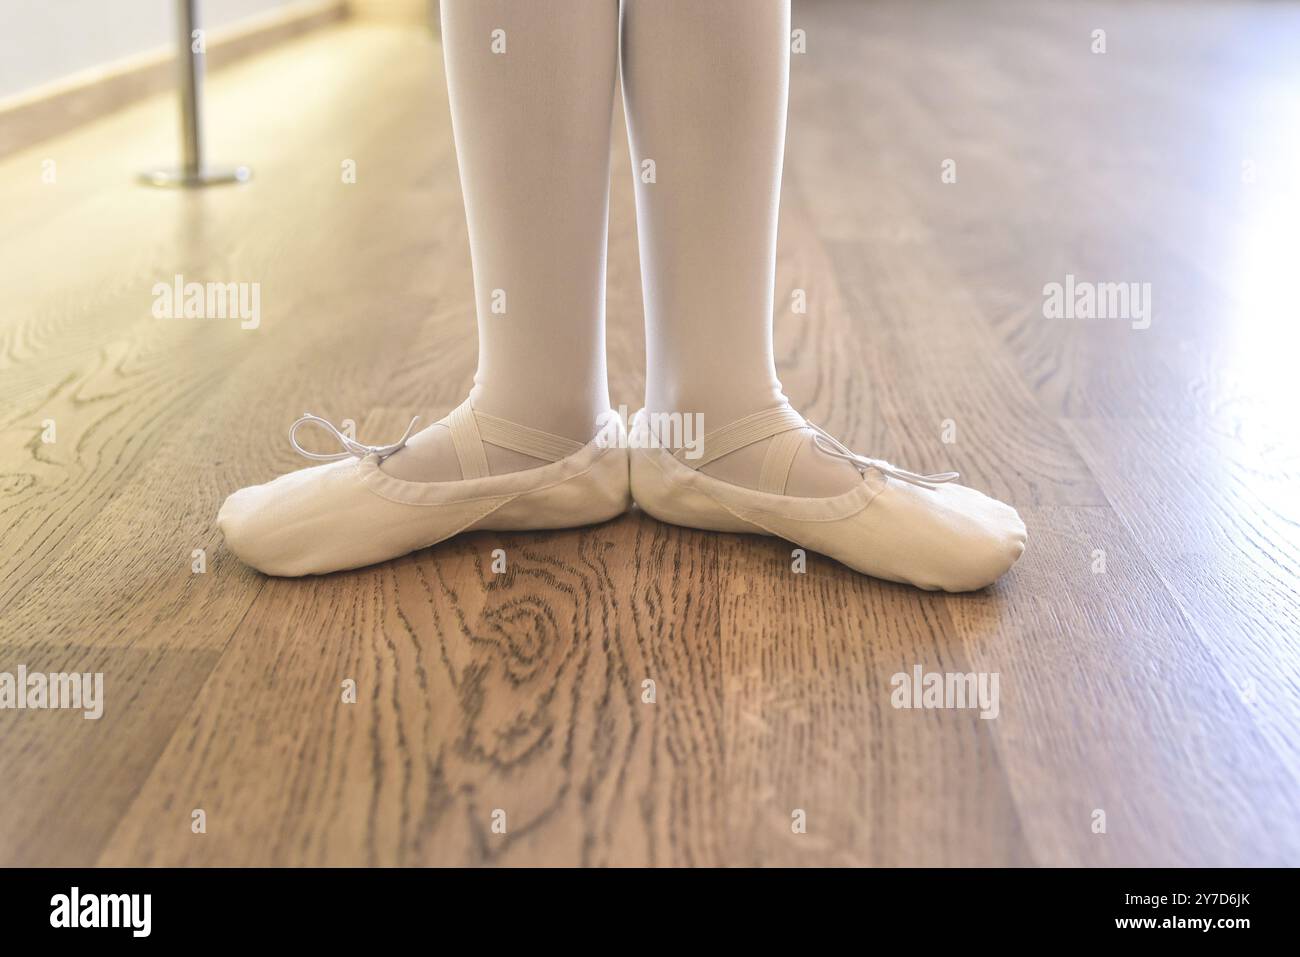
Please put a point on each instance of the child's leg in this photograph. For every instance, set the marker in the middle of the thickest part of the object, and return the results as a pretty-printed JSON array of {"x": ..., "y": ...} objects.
[
  {"x": 705, "y": 87},
  {"x": 531, "y": 87}
]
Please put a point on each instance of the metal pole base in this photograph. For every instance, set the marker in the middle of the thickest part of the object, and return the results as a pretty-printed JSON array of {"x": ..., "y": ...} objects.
[{"x": 179, "y": 177}]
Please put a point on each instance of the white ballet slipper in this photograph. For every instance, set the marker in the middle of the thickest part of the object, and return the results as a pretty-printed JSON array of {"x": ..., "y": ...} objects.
[
  {"x": 897, "y": 525},
  {"x": 350, "y": 513}
]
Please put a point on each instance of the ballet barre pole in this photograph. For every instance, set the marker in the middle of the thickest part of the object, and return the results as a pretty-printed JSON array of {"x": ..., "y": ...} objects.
[{"x": 192, "y": 171}]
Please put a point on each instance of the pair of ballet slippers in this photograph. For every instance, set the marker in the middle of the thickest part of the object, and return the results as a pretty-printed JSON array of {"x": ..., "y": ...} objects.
[{"x": 922, "y": 530}]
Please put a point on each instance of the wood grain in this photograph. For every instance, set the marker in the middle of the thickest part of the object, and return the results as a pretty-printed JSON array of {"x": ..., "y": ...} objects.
[{"x": 1144, "y": 645}]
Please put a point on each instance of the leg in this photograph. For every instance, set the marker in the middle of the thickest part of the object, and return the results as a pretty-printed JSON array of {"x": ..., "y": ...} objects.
[
  {"x": 531, "y": 87},
  {"x": 705, "y": 92},
  {"x": 532, "y": 111}
]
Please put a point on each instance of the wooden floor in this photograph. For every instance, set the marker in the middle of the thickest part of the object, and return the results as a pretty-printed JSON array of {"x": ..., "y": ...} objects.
[{"x": 1146, "y": 643}]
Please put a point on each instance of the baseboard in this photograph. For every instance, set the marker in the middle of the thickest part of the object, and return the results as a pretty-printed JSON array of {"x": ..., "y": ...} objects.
[
  {"x": 409, "y": 11},
  {"x": 54, "y": 108}
]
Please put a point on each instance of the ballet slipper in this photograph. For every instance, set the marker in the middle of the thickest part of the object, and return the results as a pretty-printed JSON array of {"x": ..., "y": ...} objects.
[
  {"x": 921, "y": 530},
  {"x": 349, "y": 513}
]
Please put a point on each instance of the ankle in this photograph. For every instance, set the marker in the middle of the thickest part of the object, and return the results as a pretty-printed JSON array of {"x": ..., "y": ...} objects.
[
  {"x": 711, "y": 410},
  {"x": 798, "y": 468},
  {"x": 576, "y": 417}
]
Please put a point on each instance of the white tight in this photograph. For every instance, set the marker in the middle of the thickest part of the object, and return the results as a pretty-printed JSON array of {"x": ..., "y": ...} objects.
[{"x": 531, "y": 85}]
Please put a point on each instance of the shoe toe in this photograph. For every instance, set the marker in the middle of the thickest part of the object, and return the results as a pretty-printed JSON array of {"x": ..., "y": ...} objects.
[
  {"x": 287, "y": 526},
  {"x": 950, "y": 538},
  {"x": 246, "y": 523},
  {"x": 990, "y": 538}
]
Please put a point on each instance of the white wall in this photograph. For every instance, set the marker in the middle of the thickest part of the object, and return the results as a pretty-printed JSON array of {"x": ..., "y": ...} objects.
[{"x": 46, "y": 40}]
